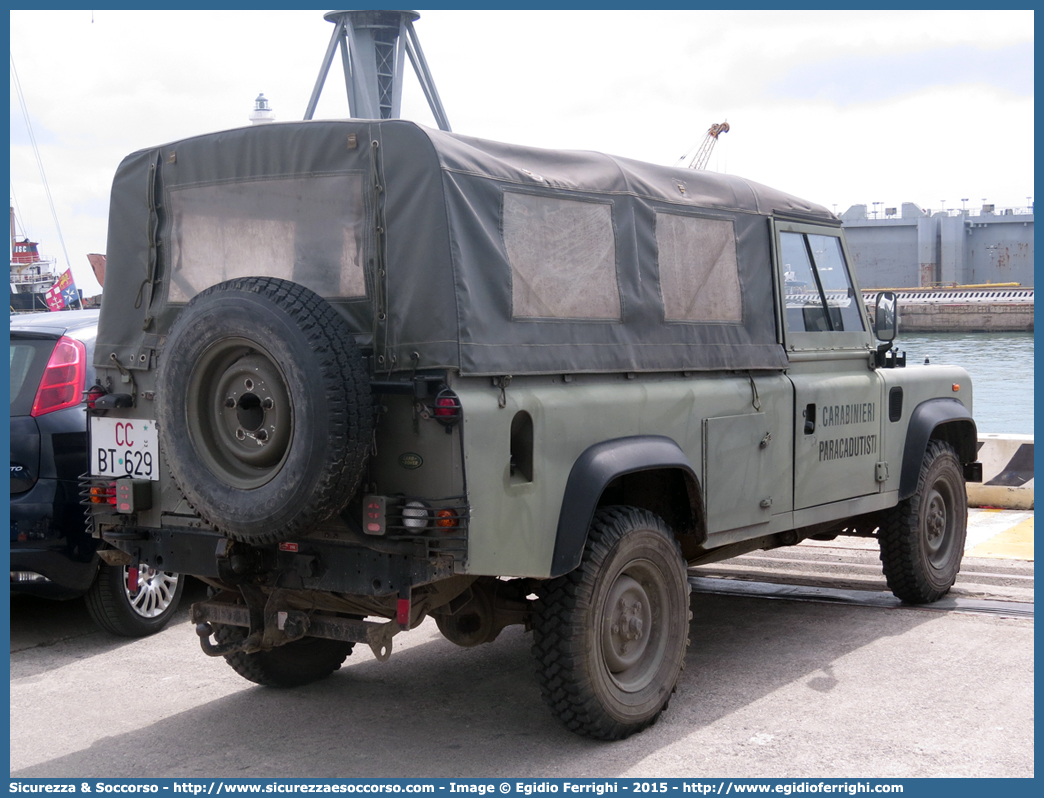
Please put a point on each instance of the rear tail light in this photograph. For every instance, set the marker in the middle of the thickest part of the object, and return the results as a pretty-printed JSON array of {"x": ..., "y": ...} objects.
[
  {"x": 94, "y": 393},
  {"x": 447, "y": 409},
  {"x": 62, "y": 383},
  {"x": 104, "y": 494},
  {"x": 446, "y": 406}
]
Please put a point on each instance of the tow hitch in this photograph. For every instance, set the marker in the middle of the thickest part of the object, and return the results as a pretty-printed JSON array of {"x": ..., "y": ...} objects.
[{"x": 271, "y": 623}]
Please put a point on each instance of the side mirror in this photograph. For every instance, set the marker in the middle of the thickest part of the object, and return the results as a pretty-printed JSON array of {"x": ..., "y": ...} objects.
[{"x": 886, "y": 312}]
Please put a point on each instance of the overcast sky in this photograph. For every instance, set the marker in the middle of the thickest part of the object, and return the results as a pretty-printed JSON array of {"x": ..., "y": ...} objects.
[{"x": 838, "y": 107}]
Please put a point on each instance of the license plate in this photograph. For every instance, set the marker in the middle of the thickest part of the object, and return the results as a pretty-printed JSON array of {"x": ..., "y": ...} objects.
[{"x": 124, "y": 447}]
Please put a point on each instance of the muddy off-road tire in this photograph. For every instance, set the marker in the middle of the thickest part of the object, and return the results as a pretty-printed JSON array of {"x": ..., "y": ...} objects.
[
  {"x": 264, "y": 408},
  {"x": 143, "y": 611},
  {"x": 298, "y": 663},
  {"x": 922, "y": 538},
  {"x": 610, "y": 637}
]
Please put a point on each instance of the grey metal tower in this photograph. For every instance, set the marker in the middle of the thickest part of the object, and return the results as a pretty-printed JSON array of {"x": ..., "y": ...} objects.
[{"x": 373, "y": 44}]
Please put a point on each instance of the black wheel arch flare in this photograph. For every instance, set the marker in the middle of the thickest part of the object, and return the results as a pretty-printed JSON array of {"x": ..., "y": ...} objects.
[
  {"x": 946, "y": 419},
  {"x": 594, "y": 470}
]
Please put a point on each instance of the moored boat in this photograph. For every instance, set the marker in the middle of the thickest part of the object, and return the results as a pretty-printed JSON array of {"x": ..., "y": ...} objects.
[{"x": 31, "y": 274}]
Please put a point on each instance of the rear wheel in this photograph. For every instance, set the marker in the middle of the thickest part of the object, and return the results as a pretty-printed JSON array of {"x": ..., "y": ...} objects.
[
  {"x": 610, "y": 637},
  {"x": 137, "y": 612},
  {"x": 922, "y": 538},
  {"x": 292, "y": 665}
]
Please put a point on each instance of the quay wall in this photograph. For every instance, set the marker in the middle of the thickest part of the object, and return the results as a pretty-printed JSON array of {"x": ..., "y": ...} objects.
[{"x": 937, "y": 317}]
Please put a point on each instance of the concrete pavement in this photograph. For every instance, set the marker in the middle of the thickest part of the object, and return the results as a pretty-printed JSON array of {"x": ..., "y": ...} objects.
[{"x": 771, "y": 689}]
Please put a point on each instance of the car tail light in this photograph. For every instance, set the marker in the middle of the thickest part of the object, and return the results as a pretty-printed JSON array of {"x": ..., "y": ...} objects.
[{"x": 62, "y": 383}]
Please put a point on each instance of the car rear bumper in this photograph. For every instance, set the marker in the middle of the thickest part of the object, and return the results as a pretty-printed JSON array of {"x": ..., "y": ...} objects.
[
  {"x": 49, "y": 538},
  {"x": 62, "y": 577},
  {"x": 48, "y": 511}
]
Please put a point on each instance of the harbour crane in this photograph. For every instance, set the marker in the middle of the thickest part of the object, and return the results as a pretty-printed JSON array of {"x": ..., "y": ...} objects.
[{"x": 699, "y": 160}]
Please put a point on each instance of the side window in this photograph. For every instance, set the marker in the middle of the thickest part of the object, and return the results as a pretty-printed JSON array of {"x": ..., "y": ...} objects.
[
  {"x": 837, "y": 286},
  {"x": 804, "y": 304},
  {"x": 818, "y": 292},
  {"x": 563, "y": 258},
  {"x": 699, "y": 276}
]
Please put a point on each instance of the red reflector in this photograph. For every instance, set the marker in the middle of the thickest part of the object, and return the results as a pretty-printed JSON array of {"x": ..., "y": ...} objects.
[
  {"x": 956, "y": 387},
  {"x": 402, "y": 612},
  {"x": 132, "y": 580},
  {"x": 62, "y": 383},
  {"x": 95, "y": 393},
  {"x": 288, "y": 547}
]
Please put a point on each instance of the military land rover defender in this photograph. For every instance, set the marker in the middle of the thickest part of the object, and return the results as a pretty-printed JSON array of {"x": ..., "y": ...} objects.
[{"x": 355, "y": 373}]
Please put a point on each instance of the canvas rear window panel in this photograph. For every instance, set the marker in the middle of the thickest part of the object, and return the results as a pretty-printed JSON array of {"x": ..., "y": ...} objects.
[{"x": 306, "y": 229}]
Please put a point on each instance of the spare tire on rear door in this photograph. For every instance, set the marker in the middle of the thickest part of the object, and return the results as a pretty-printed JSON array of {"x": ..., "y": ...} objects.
[{"x": 264, "y": 408}]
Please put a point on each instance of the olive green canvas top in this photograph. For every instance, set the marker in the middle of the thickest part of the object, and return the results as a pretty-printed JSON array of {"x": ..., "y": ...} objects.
[{"x": 443, "y": 250}]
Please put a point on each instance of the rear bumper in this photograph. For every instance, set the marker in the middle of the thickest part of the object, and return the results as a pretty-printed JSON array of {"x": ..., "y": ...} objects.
[
  {"x": 49, "y": 537},
  {"x": 50, "y": 510},
  {"x": 65, "y": 577}
]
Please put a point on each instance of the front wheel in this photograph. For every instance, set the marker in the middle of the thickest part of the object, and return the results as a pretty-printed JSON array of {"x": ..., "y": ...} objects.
[
  {"x": 922, "y": 538},
  {"x": 133, "y": 612},
  {"x": 610, "y": 637}
]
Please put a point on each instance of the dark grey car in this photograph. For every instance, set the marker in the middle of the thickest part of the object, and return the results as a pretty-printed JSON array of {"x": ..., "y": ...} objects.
[{"x": 52, "y": 554}]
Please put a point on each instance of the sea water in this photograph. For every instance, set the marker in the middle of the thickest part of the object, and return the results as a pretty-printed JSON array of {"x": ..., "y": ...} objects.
[{"x": 1001, "y": 368}]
